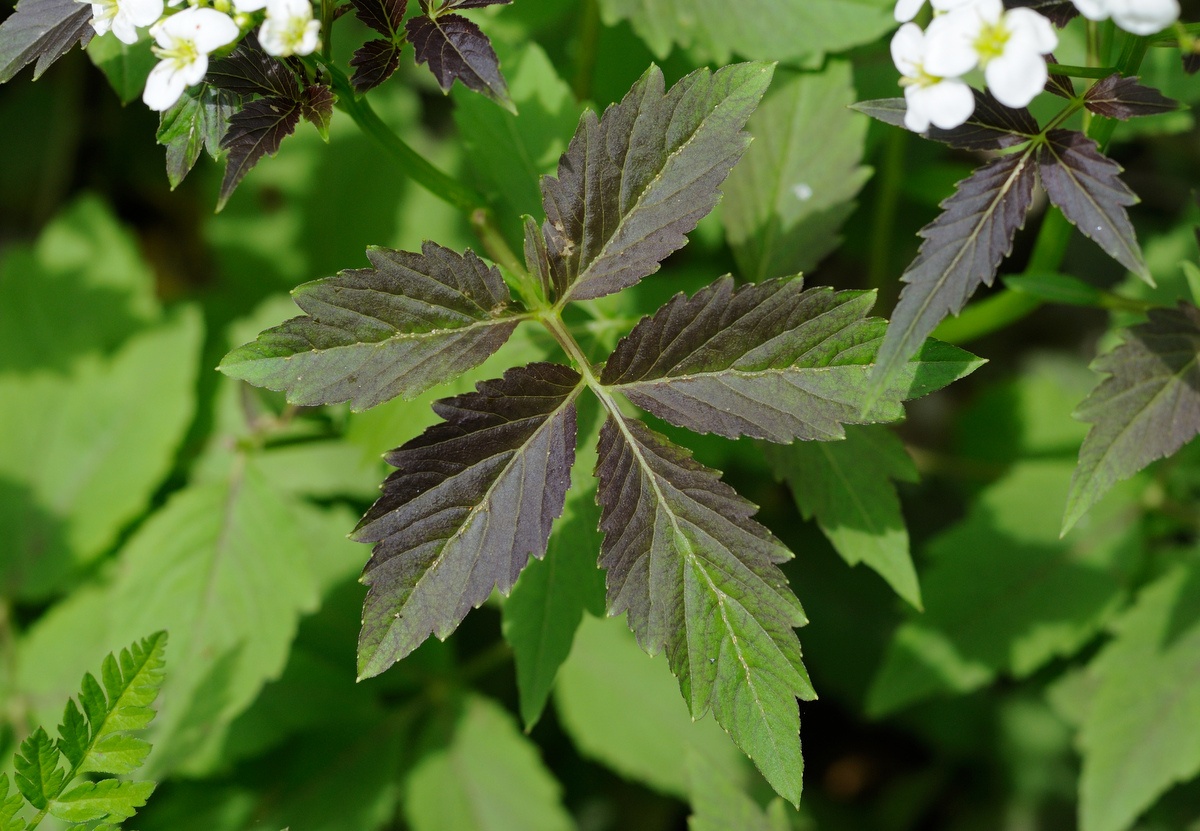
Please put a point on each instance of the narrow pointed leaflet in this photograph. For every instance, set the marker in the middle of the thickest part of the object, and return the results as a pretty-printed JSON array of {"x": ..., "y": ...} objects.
[
  {"x": 768, "y": 360},
  {"x": 42, "y": 31},
  {"x": 699, "y": 577},
  {"x": 472, "y": 499},
  {"x": 635, "y": 181},
  {"x": 408, "y": 324},
  {"x": 1146, "y": 409},
  {"x": 1124, "y": 98}
]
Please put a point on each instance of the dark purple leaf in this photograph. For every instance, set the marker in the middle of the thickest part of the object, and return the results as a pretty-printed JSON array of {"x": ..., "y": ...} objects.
[
  {"x": 254, "y": 132},
  {"x": 1191, "y": 63},
  {"x": 471, "y": 500},
  {"x": 374, "y": 62},
  {"x": 316, "y": 105},
  {"x": 1060, "y": 85},
  {"x": 963, "y": 247},
  {"x": 473, "y": 4},
  {"x": 1146, "y": 409},
  {"x": 42, "y": 31},
  {"x": 409, "y": 323},
  {"x": 700, "y": 579},
  {"x": 248, "y": 70},
  {"x": 384, "y": 16},
  {"x": 992, "y": 126},
  {"x": 1086, "y": 186},
  {"x": 1125, "y": 98},
  {"x": 455, "y": 48},
  {"x": 635, "y": 181},
  {"x": 767, "y": 360}
]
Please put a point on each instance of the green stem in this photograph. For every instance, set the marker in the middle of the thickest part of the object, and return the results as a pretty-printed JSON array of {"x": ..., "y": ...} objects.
[
  {"x": 1080, "y": 71},
  {"x": 885, "y": 209}
]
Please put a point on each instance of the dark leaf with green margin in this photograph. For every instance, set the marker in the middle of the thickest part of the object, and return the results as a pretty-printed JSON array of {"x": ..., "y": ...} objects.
[
  {"x": 700, "y": 578},
  {"x": 963, "y": 247},
  {"x": 316, "y": 105},
  {"x": 1146, "y": 409},
  {"x": 384, "y": 16},
  {"x": 255, "y": 131},
  {"x": 991, "y": 126},
  {"x": 42, "y": 31},
  {"x": 248, "y": 70},
  {"x": 1139, "y": 729},
  {"x": 550, "y": 597},
  {"x": 847, "y": 487},
  {"x": 472, "y": 499},
  {"x": 198, "y": 120},
  {"x": 767, "y": 360},
  {"x": 456, "y": 48},
  {"x": 1124, "y": 98},
  {"x": 408, "y": 324},
  {"x": 373, "y": 62},
  {"x": 1086, "y": 186},
  {"x": 38, "y": 776},
  {"x": 635, "y": 181},
  {"x": 109, "y": 799},
  {"x": 785, "y": 202}
]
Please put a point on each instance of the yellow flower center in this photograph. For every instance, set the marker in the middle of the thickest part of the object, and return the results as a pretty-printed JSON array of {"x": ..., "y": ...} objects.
[{"x": 991, "y": 41}]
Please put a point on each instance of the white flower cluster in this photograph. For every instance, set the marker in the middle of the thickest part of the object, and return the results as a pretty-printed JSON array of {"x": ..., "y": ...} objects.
[
  {"x": 1009, "y": 45},
  {"x": 183, "y": 40}
]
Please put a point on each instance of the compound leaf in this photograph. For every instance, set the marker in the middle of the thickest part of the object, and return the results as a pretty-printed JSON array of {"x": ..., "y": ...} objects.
[
  {"x": 1146, "y": 409},
  {"x": 767, "y": 360},
  {"x": 699, "y": 578},
  {"x": 456, "y": 48},
  {"x": 38, "y": 776},
  {"x": 635, "y": 181},
  {"x": 42, "y": 31},
  {"x": 1086, "y": 186},
  {"x": 397, "y": 329},
  {"x": 373, "y": 62},
  {"x": 1138, "y": 732},
  {"x": 198, "y": 120},
  {"x": 106, "y": 799},
  {"x": 255, "y": 131},
  {"x": 963, "y": 247},
  {"x": 472, "y": 499},
  {"x": 847, "y": 486},
  {"x": 131, "y": 683},
  {"x": 1124, "y": 98},
  {"x": 991, "y": 126}
]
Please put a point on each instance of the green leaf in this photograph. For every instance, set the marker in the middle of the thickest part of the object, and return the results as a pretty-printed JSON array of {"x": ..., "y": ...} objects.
[
  {"x": 487, "y": 777},
  {"x": 78, "y": 462},
  {"x": 472, "y": 499},
  {"x": 38, "y": 776},
  {"x": 700, "y": 578},
  {"x": 1057, "y": 288},
  {"x": 635, "y": 181},
  {"x": 1146, "y": 409},
  {"x": 397, "y": 329},
  {"x": 787, "y": 199},
  {"x": 125, "y": 65},
  {"x": 9, "y": 806},
  {"x": 1086, "y": 186},
  {"x": 623, "y": 710},
  {"x": 42, "y": 31},
  {"x": 768, "y": 360},
  {"x": 963, "y": 247},
  {"x": 759, "y": 29},
  {"x": 509, "y": 154},
  {"x": 551, "y": 595},
  {"x": 106, "y": 799},
  {"x": 1005, "y": 594},
  {"x": 457, "y": 49},
  {"x": 847, "y": 486},
  {"x": 198, "y": 120},
  {"x": 1138, "y": 735},
  {"x": 718, "y": 804}
]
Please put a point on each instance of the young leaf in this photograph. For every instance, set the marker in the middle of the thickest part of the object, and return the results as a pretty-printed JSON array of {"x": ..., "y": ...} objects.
[
  {"x": 473, "y": 498},
  {"x": 316, "y": 105},
  {"x": 257, "y": 130},
  {"x": 767, "y": 360},
  {"x": 1086, "y": 186},
  {"x": 1138, "y": 733},
  {"x": 1146, "y": 409},
  {"x": 198, "y": 120},
  {"x": 384, "y": 16},
  {"x": 991, "y": 126},
  {"x": 408, "y": 324},
  {"x": 456, "y": 48},
  {"x": 963, "y": 247},
  {"x": 787, "y": 199},
  {"x": 106, "y": 799},
  {"x": 847, "y": 486},
  {"x": 38, "y": 776},
  {"x": 1125, "y": 98},
  {"x": 373, "y": 62},
  {"x": 699, "y": 578},
  {"x": 42, "y": 31},
  {"x": 635, "y": 181}
]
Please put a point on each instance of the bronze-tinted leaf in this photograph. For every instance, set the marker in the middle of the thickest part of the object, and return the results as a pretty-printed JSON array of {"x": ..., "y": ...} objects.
[
  {"x": 384, "y": 16},
  {"x": 1125, "y": 98},
  {"x": 256, "y": 131},
  {"x": 248, "y": 70},
  {"x": 373, "y": 62},
  {"x": 992, "y": 126},
  {"x": 42, "y": 31},
  {"x": 456, "y": 48}
]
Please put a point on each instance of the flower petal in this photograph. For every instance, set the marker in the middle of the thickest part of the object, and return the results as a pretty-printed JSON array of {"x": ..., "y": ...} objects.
[
  {"x": 1015, "y": 78},
  {"x": 1028, "y": 29},
  {"x": 163, "y": 87},
  {"x": 950, "y": 43},
  {"x": 142, "y": 13},
  {"x": 946, "y": 104},
  {"x": 915, "y": 118},
  {"x": 908, "y": 49},
  {"x": 1093, "y": 9},
  {"x": 1144, "y": 17},
  {"x": 906, "y": 10}
]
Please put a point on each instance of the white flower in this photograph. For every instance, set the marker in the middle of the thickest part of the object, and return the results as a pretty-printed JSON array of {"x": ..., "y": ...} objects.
[
  {"x": 931, "y": 99},
  {"x": 125, "y": 17},
  {"x": 289, "y": 28},
  {"x": 246, "y": 6},
  {"x": 1142, "y": 17},
  {"x": 184, "y": 41},
  {"x": 1008, "y": 45},
  {"x": 906, "y": 10}
]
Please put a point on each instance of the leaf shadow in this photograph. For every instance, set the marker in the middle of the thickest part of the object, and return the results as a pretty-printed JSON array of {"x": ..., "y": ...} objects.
[{"x": 35, "y": 541}]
